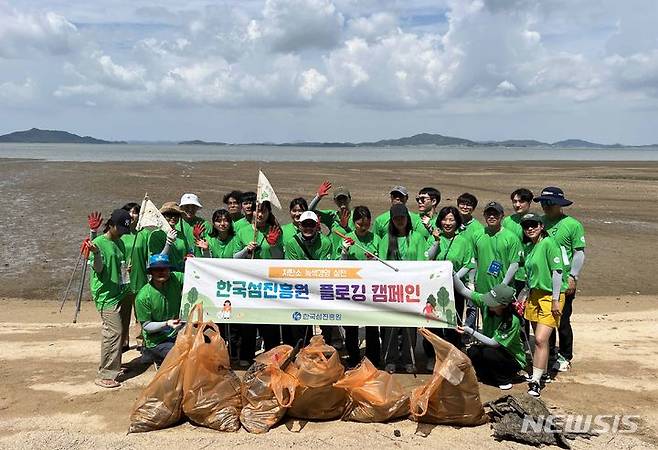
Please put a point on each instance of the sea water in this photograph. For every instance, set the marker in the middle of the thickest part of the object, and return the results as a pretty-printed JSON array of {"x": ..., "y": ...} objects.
[{"x": 173, "y": 152}]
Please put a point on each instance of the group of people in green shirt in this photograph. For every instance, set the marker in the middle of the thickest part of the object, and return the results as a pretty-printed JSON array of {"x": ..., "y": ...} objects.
[{"x": 536, "y": 257}]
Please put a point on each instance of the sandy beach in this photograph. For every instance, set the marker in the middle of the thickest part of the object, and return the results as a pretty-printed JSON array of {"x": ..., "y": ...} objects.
[{"x": 48, "y": 399}]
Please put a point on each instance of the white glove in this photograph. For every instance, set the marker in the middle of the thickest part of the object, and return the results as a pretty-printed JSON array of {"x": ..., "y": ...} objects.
[{"x": 171, "y": 236}]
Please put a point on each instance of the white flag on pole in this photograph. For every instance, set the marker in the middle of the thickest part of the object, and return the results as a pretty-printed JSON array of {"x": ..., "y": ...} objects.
[
  {"x": 151, "y": 218},
  {"x": 265, "y": 191}
]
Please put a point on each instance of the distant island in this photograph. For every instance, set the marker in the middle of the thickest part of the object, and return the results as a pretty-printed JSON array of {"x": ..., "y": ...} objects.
[
  {"x": 441, "y": 140},
  {"x": 37, "y": 136},
  {"x": 199, "y": 142}
]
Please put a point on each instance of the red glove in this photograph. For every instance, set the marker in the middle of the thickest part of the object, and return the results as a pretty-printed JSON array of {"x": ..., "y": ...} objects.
[
  {"x": 85, "y": 248},
  {"x": 519, "y": 307},
  {"x": 95, "y": 220},
  {"x": 198, "y": 230},
  {"x": 369, "y": 256},
  {"x": 344, "y": 217},
  {"x": 273, "y": 235},
  {"x": 323, "y": 190}
]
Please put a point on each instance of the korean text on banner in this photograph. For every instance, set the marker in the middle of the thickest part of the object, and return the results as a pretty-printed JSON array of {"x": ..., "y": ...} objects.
[{"x": 362, "y": 293}]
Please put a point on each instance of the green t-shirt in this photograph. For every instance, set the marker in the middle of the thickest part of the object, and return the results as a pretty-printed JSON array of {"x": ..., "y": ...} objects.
[
  {"x": 239, "y": 224},
  {"x": 569, "y": 235},
  {"x": 410, "y": 248},
  {"x": 246, "y": 236},
  {"x": 186, "y": 232},
  {"x": 137, "y": 257},
  {"x": 513, "y": 223},
  {"x": 107, "y": 288},
  {"x": 223, "y": 249},
  {"x": 541, "y": 260},
  {"x": 370, "y": 242},
  {"x": 456, "y": 250},
  {"x": 504, "y": 330},
  {"x": 159, "y": 305},
  {"x": 177, "y": 251},
  {"x": 471, "y": 230},
  {"x": 319, "y": 249},
  {"x": 331, "y": 219},
  {"x": 380, "y": 228},
  {"x": 493, "y": 255},
  {"x": 289, "y": 230}
]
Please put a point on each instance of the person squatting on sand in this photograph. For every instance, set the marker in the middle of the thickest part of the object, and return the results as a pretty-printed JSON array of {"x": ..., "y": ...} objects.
[{"x": 537, "y": 258}]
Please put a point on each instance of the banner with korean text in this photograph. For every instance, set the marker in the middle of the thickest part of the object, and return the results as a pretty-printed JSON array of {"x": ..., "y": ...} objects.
[{"x": 272, "y": 291}]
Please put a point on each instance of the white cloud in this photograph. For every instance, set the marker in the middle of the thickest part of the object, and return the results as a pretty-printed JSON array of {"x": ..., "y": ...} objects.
[
  {"x": 25, "y": 34},
  {"x": 295, "y": 25},
  {"x": 17, "y": 94},
  {"x": 472, "y": 56}
]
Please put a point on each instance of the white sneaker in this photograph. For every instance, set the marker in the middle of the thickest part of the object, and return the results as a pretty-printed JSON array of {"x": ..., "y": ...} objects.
[
  {"x": 505, "y": 387},
  {"x": 562, "y": 364},
  {"x": 430, "y": 364},
  {"x": 390, "y": 368}
]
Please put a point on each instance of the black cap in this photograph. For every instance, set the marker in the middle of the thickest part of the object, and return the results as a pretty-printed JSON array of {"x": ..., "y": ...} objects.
[
  {"x": 531, "y": 217},
  {"x": 552, "y": 195},
  {"x": 399, "y": 210},
  {"x": 495, "y": 206},
  {"x": 121, "y": 219}
]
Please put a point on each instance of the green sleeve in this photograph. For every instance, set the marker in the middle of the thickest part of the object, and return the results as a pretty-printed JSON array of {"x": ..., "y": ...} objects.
[
  {"x": 383, "y": 247},
  {"x": 291, "y": 250},
  {"x": 515, "y": 249},
  {"x": 578, "y": 236},
  {"x": 380, "y": 224},
  {"x": 143, "y": 304},
  {"x": 477, "y": 300},
  {"x": 157, "y": 242},
  {"x": 327, "y": 217},
  {"x": 554, "y": 256},
  {"x": 509, "y": 337},
  {"x": 419, "y": 243}
]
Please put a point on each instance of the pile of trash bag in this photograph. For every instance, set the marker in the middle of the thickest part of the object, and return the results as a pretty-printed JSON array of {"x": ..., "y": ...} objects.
[
  {"x": 195, "y": 380},
  {"x": 373, "y": 395},
  {"x": 452, "y": 396},
  {"x": 267, "y": 390}
]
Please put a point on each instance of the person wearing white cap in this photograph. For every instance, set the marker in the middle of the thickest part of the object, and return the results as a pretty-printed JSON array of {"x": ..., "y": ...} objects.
[
  {"x": 192, "y": 227},
  {"x": 399, "y": 195},
  {"x": 307, "y": 244}
]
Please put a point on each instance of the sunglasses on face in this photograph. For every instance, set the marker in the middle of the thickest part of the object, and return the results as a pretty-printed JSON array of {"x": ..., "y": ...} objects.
[
  {"x": 423, "y": 199},
  {"x": 529, "y": 225},
  {"x": 171, "y": 216}
]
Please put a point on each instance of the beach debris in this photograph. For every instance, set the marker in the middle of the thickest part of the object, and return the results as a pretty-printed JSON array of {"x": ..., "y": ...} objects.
[{"x": 527, "y": 420}]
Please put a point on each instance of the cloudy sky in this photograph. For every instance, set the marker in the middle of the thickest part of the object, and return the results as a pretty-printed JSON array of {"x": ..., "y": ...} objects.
[{"x": 285, "y": 70}]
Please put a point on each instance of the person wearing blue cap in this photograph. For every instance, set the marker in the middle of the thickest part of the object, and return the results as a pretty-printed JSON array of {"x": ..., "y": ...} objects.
[
  {"x": 570, "y": 236},
  {"x": 157, "y": 306}
]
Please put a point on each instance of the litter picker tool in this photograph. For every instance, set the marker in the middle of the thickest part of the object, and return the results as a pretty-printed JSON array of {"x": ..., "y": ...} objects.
[{"x": 342, "y": 236}]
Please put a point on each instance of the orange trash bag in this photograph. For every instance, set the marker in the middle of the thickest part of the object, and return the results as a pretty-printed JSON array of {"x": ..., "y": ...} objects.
[
  {"x": 267, "y": 391},
  {"x": 317, "y": 367},
  {"x": 159, "y": 405},
  {"x": 452, "y": 396},
  {"x": 373, "y": 395},
  {"x": 211, "y": 390}
]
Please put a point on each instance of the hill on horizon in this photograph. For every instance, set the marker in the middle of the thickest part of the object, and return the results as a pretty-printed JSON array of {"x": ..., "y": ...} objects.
[{"x": 37, "y": 136}]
